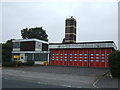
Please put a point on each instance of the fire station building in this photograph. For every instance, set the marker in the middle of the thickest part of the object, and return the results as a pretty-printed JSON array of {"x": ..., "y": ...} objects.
[
  {"x": 84, "y": 54},
  {"x": 67, "y": 53}
]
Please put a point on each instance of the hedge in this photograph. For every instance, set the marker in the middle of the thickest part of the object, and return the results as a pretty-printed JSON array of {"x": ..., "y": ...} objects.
[
  {"x": 114, "y": 63},
  {"x": 29, "y": 63}
]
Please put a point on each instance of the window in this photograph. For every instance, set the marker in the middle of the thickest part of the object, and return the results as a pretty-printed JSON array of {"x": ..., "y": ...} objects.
[
  {"x": 85, "y": 54},
  {"x": 53, "y": 54},
  {"x": 16, "y": 45},
  {"x": 65, "y": 54},
  {"x": 60, "y": 57},
  {"x": 75, "y": 60},
  {"x": 70, "y": 57},
  {"x": 97, "y": 57},
  {"x": 56, "y": 54},
  {"x": 107, "y": 54},
  {"x": 61, "y": 54},
  {"x": 97, "y": 60},
  {"x": 70, "y": 54},
  {"x": 80, "y": 57},
  {"x": 85, "y": 60},
  {"x": 65, "y": 57},
  {"x": 102, "y": 54},
  {"x": 75, "y": 54},
  {"x": 80, "y": 60},
  {"x": 65, "y": 60},
  {"x": 103, "y": 61},
  {"x": 103, "y": 57},
  {"x": 27, "y": 46},
  {"x": 52, "y": 59},
  {"x": 91, "y": 60},
  {"x": 75, "y": 57},
  {"x": 80, "y": 54},
  {"x": 70, "y": 60},
  {"x": 91, "y": 54},
  {"x": 44, "y": 47},
  {"x": 56, "y": 59},
  {"x": 85, "y": 57},
  {"x": 97, "y": 54},
  {"x": 91, "y": 57}
]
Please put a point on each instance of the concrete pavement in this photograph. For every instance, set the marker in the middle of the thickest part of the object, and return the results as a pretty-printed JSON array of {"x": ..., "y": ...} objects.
[{"x": 107, "y": 81}]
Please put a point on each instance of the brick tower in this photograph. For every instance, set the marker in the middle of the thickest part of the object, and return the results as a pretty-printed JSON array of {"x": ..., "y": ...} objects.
[{"x": 70, "y": 30}]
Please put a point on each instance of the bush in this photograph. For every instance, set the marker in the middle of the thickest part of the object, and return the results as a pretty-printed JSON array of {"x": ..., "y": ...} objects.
[
  {"x": 19, "y": 63},
  {"x": 12, "y": 64},
  {"x": 114, "y": 63},
  {"x": 45, "y": 63},
  {"x": 29, "y": 63}
]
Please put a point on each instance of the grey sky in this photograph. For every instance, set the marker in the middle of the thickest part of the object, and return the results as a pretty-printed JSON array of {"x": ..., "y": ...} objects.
[{"x": 96, "y": 21}]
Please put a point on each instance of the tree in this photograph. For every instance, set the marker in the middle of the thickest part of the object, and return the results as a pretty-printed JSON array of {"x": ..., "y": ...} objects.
[
  {"x": 114, "y": 63},
  {"x": 6, "y": 51},
  {"x": 37, "y": 33}
]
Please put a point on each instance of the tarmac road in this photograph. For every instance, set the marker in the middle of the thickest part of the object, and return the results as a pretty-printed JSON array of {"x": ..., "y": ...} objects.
[
  {"x": 69, "y": 77},
  {"x": 12, "y": 83}
]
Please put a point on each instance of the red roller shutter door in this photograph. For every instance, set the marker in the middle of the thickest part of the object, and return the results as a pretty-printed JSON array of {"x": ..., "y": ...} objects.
[
  {"x": 92, "y": 58},
  {"x": 56, "y": 57},
  {"x": 75, "y": 57},
  {"x": 52, "y": 55},
  {"x": 85, "y": 58},
  {"x": 102, "y": 57},
  {"x": 107, "y": 52},
  {"x": 80, "y": 61},
  {"x": 61, "y": 52},
  {"x": 65, "y": 57},
  {"x": 97, "y": 57},
  {"x": 70, "y": 58}
]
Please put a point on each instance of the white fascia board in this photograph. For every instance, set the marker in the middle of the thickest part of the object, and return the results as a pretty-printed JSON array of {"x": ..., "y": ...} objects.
[
  {"x": 23, "y": 40},
  {"x": 96, "y": 45},
  {"x": 31, "y": 52}
]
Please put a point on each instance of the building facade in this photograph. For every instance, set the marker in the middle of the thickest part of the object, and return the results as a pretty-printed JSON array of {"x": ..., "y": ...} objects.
[
  {"x": 67, "y": 53},
  {"x": 87, "y": 54},
  {"x": 30, "y": 49}
]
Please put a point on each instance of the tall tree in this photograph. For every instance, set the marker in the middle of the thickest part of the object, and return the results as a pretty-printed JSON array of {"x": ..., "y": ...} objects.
[
  {"x": 36, "y": 32},
  {"x": 6, "y": 51}
]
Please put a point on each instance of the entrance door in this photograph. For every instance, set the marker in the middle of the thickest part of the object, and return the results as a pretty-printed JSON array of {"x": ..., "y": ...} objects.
[{"x": 22, "y": 58}]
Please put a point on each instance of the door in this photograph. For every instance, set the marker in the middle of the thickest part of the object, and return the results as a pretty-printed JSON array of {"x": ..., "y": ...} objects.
[
  {"x": 23, "y": 58},
  {"x": 85, "y": 57},
  {"x": 92, "y": 57}
]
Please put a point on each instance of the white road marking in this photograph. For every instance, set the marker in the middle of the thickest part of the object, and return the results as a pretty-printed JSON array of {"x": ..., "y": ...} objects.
[
  {"x": 39, "y": 82},
  {"x": 66, "y": 85}
]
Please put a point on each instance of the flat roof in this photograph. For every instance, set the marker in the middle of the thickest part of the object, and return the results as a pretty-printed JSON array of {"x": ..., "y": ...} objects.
[
  {"x": 83, "y": 42},
  {"x": 96, "y": 44},
  {"x": 33, "y": 39}
]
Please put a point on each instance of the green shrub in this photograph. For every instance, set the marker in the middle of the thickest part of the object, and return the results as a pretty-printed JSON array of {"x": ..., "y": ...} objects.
[
  {"x": 9, "y": 64},
  {"x": 12, "y": 64},
  {"x": 19, "y": 63},
  {"x": 114, "y": 63},
  {"x": 29, "y": 63}
]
